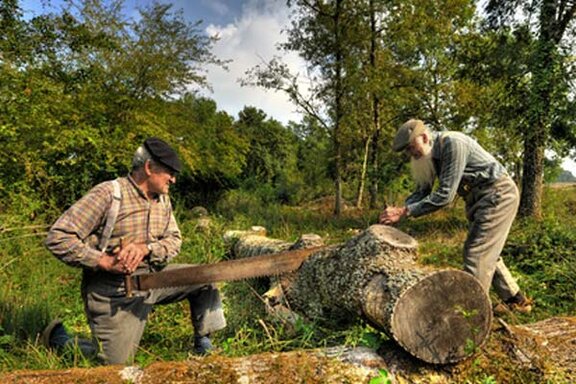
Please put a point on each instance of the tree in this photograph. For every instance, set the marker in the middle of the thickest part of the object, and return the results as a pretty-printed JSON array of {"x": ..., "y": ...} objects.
[
  {"x": 324, "y": 34},
  {"x": 271, "y": 159},
  {"x": 214, "y": 151},
  {"x": 547, "y": 84},
  {"x": 80, "y": 87},
  {"x": 314, "y": 147},
  {"x": 495, "y": 69}
]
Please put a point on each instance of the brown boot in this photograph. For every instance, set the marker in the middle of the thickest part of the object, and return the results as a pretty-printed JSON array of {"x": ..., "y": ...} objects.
[
  {"x": 520, "y": 303},
  {"x": 523, "y": 307}
]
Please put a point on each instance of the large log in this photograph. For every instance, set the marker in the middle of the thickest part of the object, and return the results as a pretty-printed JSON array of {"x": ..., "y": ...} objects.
[
  {"x": 542, "y": 352},
  {"x": 438, "y": 316},
  {"x": 333, "y": 365}
]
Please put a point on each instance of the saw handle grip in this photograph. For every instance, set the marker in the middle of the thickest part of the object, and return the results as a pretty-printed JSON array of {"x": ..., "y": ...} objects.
[
  {"x": 128, "y": 285},
  {"x": 128, "y": 276}
]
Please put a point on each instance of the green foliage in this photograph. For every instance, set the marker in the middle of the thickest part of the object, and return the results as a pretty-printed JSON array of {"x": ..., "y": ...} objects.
[
  {"x": 549, "y": 66},
  {"x": 545, "y": 253},
  {"x": 489, "y": 380},
  {"x": 79, "y": 89},
  {"x": 382, "y": 378},
  {"x": 34, "y": 287}
]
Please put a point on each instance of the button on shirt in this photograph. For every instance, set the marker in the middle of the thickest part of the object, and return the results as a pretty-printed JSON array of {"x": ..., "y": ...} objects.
[
  {"x": 461, "y": 164},
  {"x": 75, "y": 236}
]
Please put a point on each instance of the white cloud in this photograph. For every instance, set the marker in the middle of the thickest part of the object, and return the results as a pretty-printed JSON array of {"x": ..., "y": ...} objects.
[
  {"x": 225, "y": 33},
  {"x": 251, "y": 39},
  {"x": 569, "y": 165}
]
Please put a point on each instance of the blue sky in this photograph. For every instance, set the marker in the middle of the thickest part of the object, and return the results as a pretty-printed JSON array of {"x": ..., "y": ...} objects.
[
  {"x": 215, "y": 11},
  {"x": 249, "y": 31}
]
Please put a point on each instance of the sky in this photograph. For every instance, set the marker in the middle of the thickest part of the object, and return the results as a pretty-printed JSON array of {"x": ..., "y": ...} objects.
[{"x": 249, "y": 32}]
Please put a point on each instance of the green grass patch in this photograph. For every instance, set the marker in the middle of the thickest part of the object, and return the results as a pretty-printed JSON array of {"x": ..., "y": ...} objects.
[{"x": 35, "y": 287}]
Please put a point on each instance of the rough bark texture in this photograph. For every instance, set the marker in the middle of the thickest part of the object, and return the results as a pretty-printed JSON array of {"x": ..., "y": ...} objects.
[
  {"x": 334, "y": 365},
  {"x": 542, "y": 352},
  {"x": 437, "y": 316},
  {"x": 253, "y": 243}
]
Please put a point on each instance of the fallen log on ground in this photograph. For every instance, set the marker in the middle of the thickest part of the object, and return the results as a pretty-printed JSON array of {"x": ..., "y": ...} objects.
[
  {"x": 332, "y": 365},
  {"x": 438, "y": 316},
  {"x": 542, "y": 352}
]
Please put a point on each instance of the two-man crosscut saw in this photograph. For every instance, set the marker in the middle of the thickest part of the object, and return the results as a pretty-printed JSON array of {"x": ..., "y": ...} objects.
[{"x": 256, "y": 266}]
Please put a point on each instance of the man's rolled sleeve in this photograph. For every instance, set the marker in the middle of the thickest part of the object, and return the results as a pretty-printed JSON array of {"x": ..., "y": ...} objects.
[
  {"x": 67, "y": 238},
  {"x": 167, "y": 246}
]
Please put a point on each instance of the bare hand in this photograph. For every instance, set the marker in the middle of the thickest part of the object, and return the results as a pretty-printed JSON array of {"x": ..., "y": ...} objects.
[
  {"x": 109, "y": 262},
  {"x": 131, "y": 255},
  {"x": 392, "y": 215}
]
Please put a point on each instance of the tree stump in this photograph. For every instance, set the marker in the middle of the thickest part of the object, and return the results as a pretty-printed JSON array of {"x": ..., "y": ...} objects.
[{"x": 439, "y": 316}]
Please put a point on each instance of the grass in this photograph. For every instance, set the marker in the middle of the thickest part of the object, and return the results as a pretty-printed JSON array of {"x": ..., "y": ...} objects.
[{"x": 35, "y": 287}]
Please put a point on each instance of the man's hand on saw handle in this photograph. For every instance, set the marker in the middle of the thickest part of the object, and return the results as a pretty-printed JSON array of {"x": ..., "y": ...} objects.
[{"x": 124, "y": 259}]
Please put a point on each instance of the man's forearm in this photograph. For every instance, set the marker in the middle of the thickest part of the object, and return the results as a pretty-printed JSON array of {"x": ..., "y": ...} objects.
[{"x": 71, "y": 250}]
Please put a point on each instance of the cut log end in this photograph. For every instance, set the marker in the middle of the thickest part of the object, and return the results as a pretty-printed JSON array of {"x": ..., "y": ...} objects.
[
  {"x": 393, "y": 237},
  {"x": 444, "y": 318}
]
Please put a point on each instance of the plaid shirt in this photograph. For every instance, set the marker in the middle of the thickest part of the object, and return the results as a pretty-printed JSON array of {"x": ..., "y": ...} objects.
[
  {"x": 75, "y": 236},
  {"x": 461, "y": 164}
]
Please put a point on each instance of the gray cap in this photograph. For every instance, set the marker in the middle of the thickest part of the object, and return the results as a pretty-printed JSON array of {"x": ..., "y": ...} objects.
[{"x": 407, "y": 131}]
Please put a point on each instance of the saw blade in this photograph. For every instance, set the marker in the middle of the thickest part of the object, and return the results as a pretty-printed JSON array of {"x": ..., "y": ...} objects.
[{"x": 256, "y": 266}]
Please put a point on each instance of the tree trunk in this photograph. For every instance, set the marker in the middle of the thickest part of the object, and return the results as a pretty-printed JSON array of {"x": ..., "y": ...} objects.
[
  {"x": 437, "y": 316},
  {"x": 338, "y": 113},
  {"x": 374, "y": 166},
  {"x": 540, "y": 116},
  {"x": 532, "y": 177},
  {"x": 330, "y": 365},
  {"x": 361, "y": 182},
  {"x": 374, "y": 175}
]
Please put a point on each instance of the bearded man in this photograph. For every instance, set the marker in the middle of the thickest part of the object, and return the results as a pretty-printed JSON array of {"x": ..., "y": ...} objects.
[{"x": 463, "y": 167}]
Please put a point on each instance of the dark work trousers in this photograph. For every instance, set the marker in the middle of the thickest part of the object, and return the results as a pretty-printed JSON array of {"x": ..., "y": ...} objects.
[{"x": 117, "y": 322}]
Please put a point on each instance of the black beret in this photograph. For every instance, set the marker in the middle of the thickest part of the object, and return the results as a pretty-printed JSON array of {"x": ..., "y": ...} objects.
[{"x": 163, "y": 153}]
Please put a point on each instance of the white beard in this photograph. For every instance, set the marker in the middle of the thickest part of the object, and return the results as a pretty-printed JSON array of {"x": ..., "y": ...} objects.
[{"x": 423, "y": 171}]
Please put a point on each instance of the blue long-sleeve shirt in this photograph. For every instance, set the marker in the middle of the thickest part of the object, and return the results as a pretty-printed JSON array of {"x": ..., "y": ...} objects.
[{"x": 461, "y": 164}]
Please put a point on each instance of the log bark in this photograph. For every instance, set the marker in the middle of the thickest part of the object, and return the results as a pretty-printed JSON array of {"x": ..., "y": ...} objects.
[
  {"x": 332, "y": 365},
  {"x": 542, "y": 351},
  {"x": 438, "y": 316}
]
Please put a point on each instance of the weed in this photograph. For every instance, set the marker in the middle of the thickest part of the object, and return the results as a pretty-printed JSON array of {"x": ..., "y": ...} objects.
[{"x": 382, "y": 378}]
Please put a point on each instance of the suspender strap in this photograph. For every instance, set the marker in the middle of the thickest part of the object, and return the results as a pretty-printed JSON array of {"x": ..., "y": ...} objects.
[
  {"x": 112, "y": 215},
  {"x": 443, "y": 136}
]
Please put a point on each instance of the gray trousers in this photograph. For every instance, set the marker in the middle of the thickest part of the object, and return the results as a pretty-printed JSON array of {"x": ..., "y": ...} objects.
[
  {"x": 117, "y": 322},
  {"x": 491, "y": 209}
]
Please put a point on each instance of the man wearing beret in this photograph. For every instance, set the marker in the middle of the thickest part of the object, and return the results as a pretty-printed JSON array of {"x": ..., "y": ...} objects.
[
  {"x": 463, "y": 167},
  {"x": 143, "y": 239}
]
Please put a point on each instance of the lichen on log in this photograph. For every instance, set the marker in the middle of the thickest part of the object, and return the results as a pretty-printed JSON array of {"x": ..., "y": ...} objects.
[
  {"x": 439, "y": 316},
  {"x": 336, "y": 278},
  {"x": 548, "y": 344}
]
